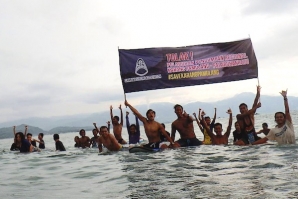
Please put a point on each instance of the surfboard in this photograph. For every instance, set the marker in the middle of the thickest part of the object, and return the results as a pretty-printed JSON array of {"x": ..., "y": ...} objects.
[{"x": 137, "y": 149}]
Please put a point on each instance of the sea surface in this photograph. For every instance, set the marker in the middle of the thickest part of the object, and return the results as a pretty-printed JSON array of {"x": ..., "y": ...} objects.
[{"x": 264, "y": 171}]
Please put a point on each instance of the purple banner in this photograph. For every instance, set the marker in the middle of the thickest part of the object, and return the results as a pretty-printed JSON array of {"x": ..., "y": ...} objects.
[{"x": 159, "y": 68}]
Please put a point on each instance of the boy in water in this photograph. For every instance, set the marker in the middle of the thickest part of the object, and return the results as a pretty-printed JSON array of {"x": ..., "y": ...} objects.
[
  {"x": 152, "y": 128},
  {"x": 219, "y": 138},
  {"x": 106, "y": 139},
  {"x": 133, "y": 130},
  {"x": 207, "y": 138},
  {"x": 40, "y": 141},
  {"x": 283, "y": 133},
  {"x": 237, "y": 134},
  {"x": 59, "y": 145},
  {"x": 265, "y": 129},
  {"x": 117, "y": 127},
  {"x": 84, "y": 140},
  {"x": 184, "y": 125},
  {"x": 93, "y": 140},
  {"x": 29, "y": 138},
  {"x": 246, "y": 121}
]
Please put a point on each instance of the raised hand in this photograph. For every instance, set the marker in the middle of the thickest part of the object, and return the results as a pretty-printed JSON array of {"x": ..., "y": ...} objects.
[
  {"x": 127, "y": 113},
  {"x": 126, "y": 103},
  {"x": 259, "y": 88},
  {"x": 229, "y": 111},
  {"x": 194, "y": 114},
  {"x": 259, "y": 105},
  {"x": 284, "y": 93},
  {"x": 120, "y": 107},
  {"x": 203, "y": 113},
  {"x": 108, "y": 122},
  {"x": 111, "y": 107}
]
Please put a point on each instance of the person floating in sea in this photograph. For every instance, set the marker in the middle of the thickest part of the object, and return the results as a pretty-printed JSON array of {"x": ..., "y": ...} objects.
[
  {"x": 84, "y": 140},
  {"x": 264, "y": 129},
  {"x": 246, "y": 121},
  {"x": 58, "y": 144},
  {"x": 283, "y": 133},
  {"x": 152, "y": 128},
  {"x": 40, "y": 141},
  {"x": 22, "y": 144},
  {"x": 15, "y": 145},
  {"x": 117, "y": 127},
  {"x": 219, "y": 138},
  {"x": 133, "y": 130},
  {"x": 106, "y": 139},
  {"x": 184, "y": 125},
  {"x": 94, "y": 139}
]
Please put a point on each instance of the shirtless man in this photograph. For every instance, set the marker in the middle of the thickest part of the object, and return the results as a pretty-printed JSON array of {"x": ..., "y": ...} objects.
[
  {"x": 184, "y": 125},
  {"x": 264, "y": 129},
  {"x": 117, "y": 127},
  {"x": 246, "y": 121},
  {"x": 219, "y": 138},
  {"x": 152, "y": 128},
  {"x": 84, "y": 140},
  {"x": 106, "y": 139}
]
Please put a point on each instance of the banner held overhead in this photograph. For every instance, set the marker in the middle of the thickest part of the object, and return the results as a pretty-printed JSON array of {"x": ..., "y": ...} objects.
[{"x": 159, "y": 68}]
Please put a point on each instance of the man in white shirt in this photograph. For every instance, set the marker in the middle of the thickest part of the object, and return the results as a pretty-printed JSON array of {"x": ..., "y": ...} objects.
[{"x": 283, "y": 133}]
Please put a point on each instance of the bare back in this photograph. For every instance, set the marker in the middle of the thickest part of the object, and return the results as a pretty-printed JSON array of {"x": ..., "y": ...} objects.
[
  {"x": 85, "y": 141},
  {"x": 117, "y": 130}
]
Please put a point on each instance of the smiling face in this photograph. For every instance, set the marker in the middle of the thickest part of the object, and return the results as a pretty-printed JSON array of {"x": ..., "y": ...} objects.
[
  {"x": 104, "y": 131},
  {"x": 280, "y": 118},
  {"x": 132, "y": 129},
  {"x": 243, "y": 109},
  {"x": 237, "y": 126},
  {"x": 179, "y": 111},
  {"x": 218, "y": 129}
]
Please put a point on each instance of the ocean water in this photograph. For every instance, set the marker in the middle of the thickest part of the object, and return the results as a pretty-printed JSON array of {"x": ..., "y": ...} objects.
[{"x": 264, "y": 171}]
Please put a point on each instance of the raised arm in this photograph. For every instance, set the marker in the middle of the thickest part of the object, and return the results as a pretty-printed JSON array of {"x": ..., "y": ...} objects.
[
  {"x": 26, "y": 129},
  {"x": 227, "y": 134},
  {"x": 214, "y": 117},
  {"x": 142, "y": 118},
  {"x": 111, "y": 112},
  {"x": 249, "y": 112},
  {"x": 257, "y": 96},
  {"x": 14, "y": 130},
  {"x": 173, "y": 132},
  {"x": 287, "y": 109},
  {"x": 198, "y": 122},
  {"x": 138, "y": 126},
  {"x": 127, "y": 121},
  {"x": 208, "y": 129},
  {"x": 109, "y": 125},
  {"x": 98, "y": 139},
  {"x": 121, "y": 115}
]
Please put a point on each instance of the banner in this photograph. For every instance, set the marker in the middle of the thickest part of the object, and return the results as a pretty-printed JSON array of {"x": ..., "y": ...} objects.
[{"x": 159, "y": 68}]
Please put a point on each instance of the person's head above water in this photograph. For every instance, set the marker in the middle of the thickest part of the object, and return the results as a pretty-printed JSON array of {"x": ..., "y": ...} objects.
[{"x": 243, "y": 108}]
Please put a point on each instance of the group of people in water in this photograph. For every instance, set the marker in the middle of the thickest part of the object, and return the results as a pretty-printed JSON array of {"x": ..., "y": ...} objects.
[{"x": 159, "y": 138}]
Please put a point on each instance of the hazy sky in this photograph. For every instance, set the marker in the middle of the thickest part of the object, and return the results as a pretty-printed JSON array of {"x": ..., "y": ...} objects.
[{"x": 60, "y": 57}]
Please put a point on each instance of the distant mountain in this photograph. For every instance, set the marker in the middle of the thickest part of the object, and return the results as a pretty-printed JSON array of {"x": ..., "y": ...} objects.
[
  {"x": 164, "y": 113},
  {"x": 8, "y": 131}
]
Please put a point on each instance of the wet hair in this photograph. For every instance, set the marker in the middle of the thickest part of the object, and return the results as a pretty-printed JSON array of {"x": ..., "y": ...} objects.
[
  {"x": 207, "y": 117},
  {"x": 41, "y": 134},
  {"x": 103, "y": 127},
  {"x": 243, "y": 104},
  {"x": 94, "y": 130},
  {"x": 150, "y": 111},
  {"x": 82, "y": 131},
  {"x": 236, "y": 123},
  {"x": 265, "y": 124},
  {"x": 56, "y": 136},
  {"x": 162, "y": 124},
  {"x": 117, "y": 118},
  {"x": 178, "y": 105},
  {"x": 76, "y": 138},
  {"x": 21, "y": 135},
  {"x": 28, "y": 134},
  {"x": 280, "y": 113},
  {"x": 217, "y": 124},
  {"x": 132, "y": 125}
]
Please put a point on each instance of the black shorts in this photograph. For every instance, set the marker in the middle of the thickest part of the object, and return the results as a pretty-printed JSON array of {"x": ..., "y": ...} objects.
[
  {"x": 189, "y": 142},
  {"x": 154, "y": 145}
]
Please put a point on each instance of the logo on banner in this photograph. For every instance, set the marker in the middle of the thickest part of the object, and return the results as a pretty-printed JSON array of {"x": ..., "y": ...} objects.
[{"x": 141, "y": 68}]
